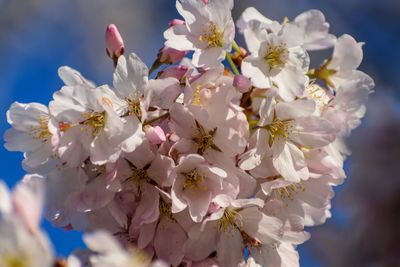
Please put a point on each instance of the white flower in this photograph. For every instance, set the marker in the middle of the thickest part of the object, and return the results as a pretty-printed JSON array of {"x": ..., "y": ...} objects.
[
  {"x": 22, "y": 243},
  {"x": 208, "y": 31},
  {"x": 282, "y": 129},
  {"x": 19, "y": 247},
  {"x": 30, "y": 134},
  {"x": 89, "y": 125},
  {"x": 312, "y": 28},
  {"x": 107, "y": 252},
  {"x": 342, "y": 67},
  {"x": 278, "y": 59}
]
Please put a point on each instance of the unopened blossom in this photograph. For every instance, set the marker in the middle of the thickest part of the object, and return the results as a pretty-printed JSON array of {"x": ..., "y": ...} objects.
[
  {"x": 208, "y": 31},
  {"x": 242, "y": 83},
  {"x": 114, "y": 42},
  {"x": 155, "y": 135}
]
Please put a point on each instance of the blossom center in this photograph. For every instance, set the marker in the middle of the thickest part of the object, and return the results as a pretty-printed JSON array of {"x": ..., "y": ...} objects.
[
  {"x": 212, "y": 36},
  {"x": 165, "y": 209},
  {"x": 193, "y": 180},
  {"x": 204, "y": 139},
  {"x": 97, "y": 120},
  {"x": 318, "y": 94},
  {"x": 12, "y": 260},
  {"x": 231, "y": 218},
  {"x": 42, "y": 132},
  {"x": 288, "y": 192},
  {"x": 276, "y": 56},
  {"x": 139, "y": 176},
  {"x": 278, "y": 129},
  {"x": 134, "y": 107}
]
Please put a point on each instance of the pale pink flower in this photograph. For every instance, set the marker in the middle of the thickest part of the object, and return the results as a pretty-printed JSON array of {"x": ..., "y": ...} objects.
[
  {"x": 282, "y": 128},
  {"x": 197, "y": 185},
  {"x": 208, "y": 31},
  {"x": 229, "y": 230},
  {"x": 30, "y": 134},
  {"x": 278, "y": 59}
]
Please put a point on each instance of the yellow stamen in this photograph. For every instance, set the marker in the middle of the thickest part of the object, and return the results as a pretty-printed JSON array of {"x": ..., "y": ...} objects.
[
  {"x": 42, "y": 131},
  {"x": 196, "y": 96},
  {"x": 231, "y": 218},
  {"x": 204, "y": 139},
  {"x": 97, "y": 120},
  {"x": 165, "y": 209},
  {"x": 12, "y": 260},
  {"x": 212, "y": 36},
  {"x": 134, "y": 107},
  {"x": 193, "y": 180},
  {"x": 288, "y": 192},
  {"x": 276, "y": 56},
  {"x": 278, "y": 129}
]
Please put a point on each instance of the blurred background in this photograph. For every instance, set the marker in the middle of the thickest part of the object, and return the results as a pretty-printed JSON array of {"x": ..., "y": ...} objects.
[{"x": 38, "y": 36}]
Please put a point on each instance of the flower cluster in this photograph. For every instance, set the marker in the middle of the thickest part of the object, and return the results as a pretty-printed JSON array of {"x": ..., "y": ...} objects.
[{"x": 202, "y": 162}]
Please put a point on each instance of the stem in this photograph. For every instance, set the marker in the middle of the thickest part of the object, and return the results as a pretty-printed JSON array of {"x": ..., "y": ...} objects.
[
  {"x": 165, "y": 115},
  {"x": 231, "y": 63},
  {"x": 236, "y": 47}
]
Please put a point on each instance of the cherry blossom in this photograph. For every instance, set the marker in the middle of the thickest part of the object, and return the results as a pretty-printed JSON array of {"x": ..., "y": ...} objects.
[{"x": 198, "y": 161}]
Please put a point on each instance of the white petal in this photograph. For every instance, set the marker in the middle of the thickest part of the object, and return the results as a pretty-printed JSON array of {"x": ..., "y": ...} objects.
[
  {"x": 315, "y": 30},
  {"x": 230, "y": 248},
  {"x": 283, "y": 160},
  {"x": 209, "y": 58},
  {"x": 347, "y": 54},
  {"x": 313, "y": 131},
  {"x": 256, "y": 69},
  {"x": 130, "y": 77},
  {"x": 177, "y": 37},
  {"x": 291, "y": 82},
  {"x": 73, "y": 77},
  {"x": 295, "y": 109}
]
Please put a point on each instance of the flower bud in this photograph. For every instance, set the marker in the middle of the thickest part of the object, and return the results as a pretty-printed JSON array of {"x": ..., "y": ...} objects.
[
  {"x": 242, "y": 83},
  {"x": 177, "y": 72},
  {"x": 169, "y": 55},
  {"x": 176, "y": 22},
  {"x": 114, "y": 43},
  {"x": 155, "y": 135}
]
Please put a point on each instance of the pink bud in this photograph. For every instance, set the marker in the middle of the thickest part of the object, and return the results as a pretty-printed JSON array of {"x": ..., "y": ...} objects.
[
  {"x": 205, "y": 1},
  {"x": 242, "y": 83},
  {"x": 155, "y": 135},
  {"x": 114, "y": 42},
  {"x": 213, "y": 207},
  {"x": 176, "y": 22},
  {"x": 171, "y": 56},
  {"x": 174, "y": 71}
]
